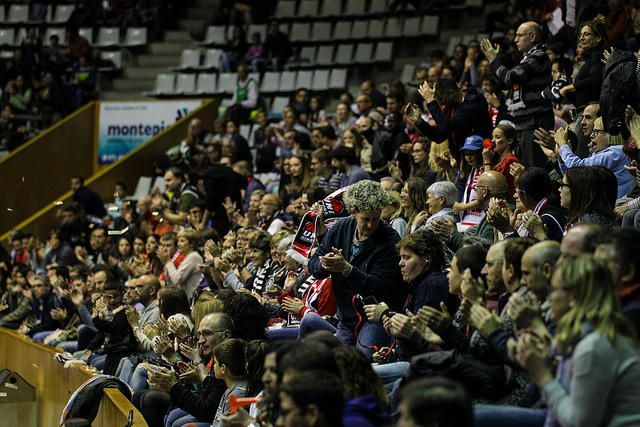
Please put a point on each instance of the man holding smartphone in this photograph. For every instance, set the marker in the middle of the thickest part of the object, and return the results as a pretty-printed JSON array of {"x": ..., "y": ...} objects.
[{"x": 359, "y": 253}]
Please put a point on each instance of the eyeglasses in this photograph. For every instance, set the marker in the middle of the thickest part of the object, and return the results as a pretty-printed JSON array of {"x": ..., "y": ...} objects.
[
  {"x": 523, "y": 34},
  {"x": 208, "y": 332}
]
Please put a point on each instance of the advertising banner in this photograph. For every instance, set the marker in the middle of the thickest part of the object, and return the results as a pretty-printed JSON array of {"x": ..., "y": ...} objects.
[{"x": 123, "y": 126}]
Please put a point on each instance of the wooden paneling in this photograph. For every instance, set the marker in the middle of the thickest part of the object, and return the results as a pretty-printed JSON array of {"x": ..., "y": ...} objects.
[
  {"x": 40, "y": 170},
  {"x": 55, "y": 384},
  {"x": 137, "y": 163}
]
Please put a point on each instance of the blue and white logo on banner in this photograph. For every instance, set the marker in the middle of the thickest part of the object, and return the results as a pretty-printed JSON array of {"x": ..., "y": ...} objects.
[{"x": 124, "y": 126}]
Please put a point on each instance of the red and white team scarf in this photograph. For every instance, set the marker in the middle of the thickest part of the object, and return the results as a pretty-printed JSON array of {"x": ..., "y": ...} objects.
[{"x": 334, "y": 208}]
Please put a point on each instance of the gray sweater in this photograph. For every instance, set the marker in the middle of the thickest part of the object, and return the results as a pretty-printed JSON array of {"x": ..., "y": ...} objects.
[{"x": 604, "y": 385}]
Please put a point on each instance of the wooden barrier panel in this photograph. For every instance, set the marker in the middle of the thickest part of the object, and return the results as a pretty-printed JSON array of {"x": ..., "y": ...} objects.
[
  {"x": 55, "y": 384},
  {"x": 39, "y": 171},
  {"x": 138, "y": 162}
]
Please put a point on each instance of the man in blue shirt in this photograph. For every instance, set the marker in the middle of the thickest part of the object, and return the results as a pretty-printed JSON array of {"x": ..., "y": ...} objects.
[{"x": 602, "y": 153}]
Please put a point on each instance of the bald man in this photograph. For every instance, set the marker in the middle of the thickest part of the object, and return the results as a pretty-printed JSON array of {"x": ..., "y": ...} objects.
[
  {"x": 526, "y": 81},
  {"x": 490, "y": 184},
  {"x": 537, "y": 266}
]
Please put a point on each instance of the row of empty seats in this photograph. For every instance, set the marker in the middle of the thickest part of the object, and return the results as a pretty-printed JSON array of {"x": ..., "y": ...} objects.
[
  {"x": 327, "y": 32},
  {"x": 309, "y": 56},
  {"x": 344, "y": 54},
  {"x": 19, "y": 14},
  {"x": 291, "y": 9},
  {"x": 107, "y": 36},
  {"x": 184, "y": 84}
]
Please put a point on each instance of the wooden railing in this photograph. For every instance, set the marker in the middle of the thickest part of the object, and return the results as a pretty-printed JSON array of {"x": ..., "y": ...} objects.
[{"x": 55, "y": 384}]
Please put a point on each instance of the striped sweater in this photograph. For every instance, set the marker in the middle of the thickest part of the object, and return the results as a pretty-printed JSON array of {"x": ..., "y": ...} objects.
[{"x": 526, "y": 82}]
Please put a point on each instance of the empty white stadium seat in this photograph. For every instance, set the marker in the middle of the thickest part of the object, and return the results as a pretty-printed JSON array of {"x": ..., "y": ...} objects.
[
  {"x": 7, "y": 36},
  {"x": 324, "y": 55},
  {"x": 363, "y": 53},
  {"x": 299, "y": 31},
  {"x": 304, "y": 79},
  {"x": 186, "y": 84},
  {"x": 114, "y": 56},
  {"x": 360, "y": 30},
  {"x": 384, "y": 52},
  {"x": 211, "y": 59},
  {"x": 215, "y": 35},
  {"x": 344, "y": 54},
  {"x": 331, "y": 8},
  {"x": 286, "y": 9},
  {"x": 207, "y": 83},
  {"x": 411, "y": 27},
  {"x": 376, "y": 29},
  {"x": 393, "y": 28},
  {"x": 108, "y": 36},
  {"x": 270, "y": 82},
  {"x": 338, "y": 78},
  {"x": 165, "y": 84},
  {"x": 135, "y": 37},
  {"x": 189, "y": 59},
  {"x": 287, "y": 81},
  {"x": 342, "y": 30},
  {"x": 18, "y": 13},
  {"x": 408, "y": 73},
  {"x": 429, "y": 26},
  {"x": 62, "y": 13},
  {"x": 320, "y": 81},
  {"x": 355, "y": 8},
  {"x": 87, "y": 33},
  {"x": 308, "y": 9},
  {"x": 321, "y": 32},
  {"x": 227, "y": 83}
]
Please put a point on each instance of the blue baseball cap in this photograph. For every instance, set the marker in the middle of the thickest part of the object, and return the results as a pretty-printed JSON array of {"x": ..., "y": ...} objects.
[{"x": 472, "y": 143}]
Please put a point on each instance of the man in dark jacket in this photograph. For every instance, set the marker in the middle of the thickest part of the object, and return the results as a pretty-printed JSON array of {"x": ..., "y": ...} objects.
[
  {"x": 457, "y": 114},
  {"x": 220, "y": 182},
  {"x": 277, "y": 47},
  {"x": 87, "y": 198},
  {"x": 359, "y": 253},
  {"x": 42, "y": 303},
  {"x": 526, "y": 81}
]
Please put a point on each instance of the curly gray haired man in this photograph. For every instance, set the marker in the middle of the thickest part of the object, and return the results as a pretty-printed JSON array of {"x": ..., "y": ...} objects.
[{"x": 360, "y": 256}]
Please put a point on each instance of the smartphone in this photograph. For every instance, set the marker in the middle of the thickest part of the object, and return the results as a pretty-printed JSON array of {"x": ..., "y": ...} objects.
[{"x": 369, "y": 299}]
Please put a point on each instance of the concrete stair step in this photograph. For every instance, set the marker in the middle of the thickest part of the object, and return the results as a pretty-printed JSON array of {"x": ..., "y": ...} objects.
[
  {"x": 165, "y": 61},
  {"x": 199, "y": 12},
  {"x": 210, "y": 4},
  {"x": 191, "y": 24},
  {"x": 178, "y": 36},
  {"x": 143, "y": 72},
  {"x": 171, "y": 48},
  {"x": 132, "y": 85}
]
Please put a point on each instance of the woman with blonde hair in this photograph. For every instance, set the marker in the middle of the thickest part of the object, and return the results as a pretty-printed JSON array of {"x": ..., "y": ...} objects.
[
  {"x": 393, "y": 214},
  {"x": 414, "y": 198}
]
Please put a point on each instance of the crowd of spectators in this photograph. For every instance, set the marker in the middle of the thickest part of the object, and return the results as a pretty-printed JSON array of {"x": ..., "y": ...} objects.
[
  {"x": 46, "y": 80},
  {"x": 460, "y": 252},
  {"x": 42, "y": 84}
]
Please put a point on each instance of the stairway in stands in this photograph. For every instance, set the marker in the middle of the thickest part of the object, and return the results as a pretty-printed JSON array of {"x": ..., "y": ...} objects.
[{"x": 139, "y": 71}]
